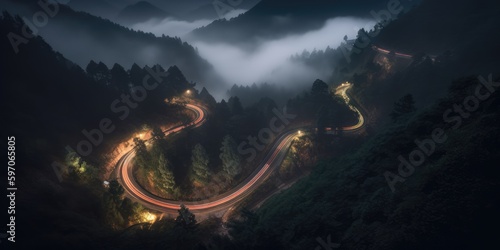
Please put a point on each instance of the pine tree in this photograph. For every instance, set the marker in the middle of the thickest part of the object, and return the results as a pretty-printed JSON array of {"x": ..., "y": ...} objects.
[
  {"x": 136, "y": 74},
  {"x": 403, "y": 107},
  {"x": 141, "y": 153},
  {"x": 185, "y": 219},
  {"x": 157, "y": 134},
  {"x": 140, "y": 146},
  {"x": 319, "y": 88},
  {"x": 166, "y": 179},
  {"x": 229, "y": 156},
  {"x": 115, "y": 189},
  {"x": 222, "y": 110},
  {"x": 91, "y": 68},
  {"x": 235, "y": 105},
  {"x": 119, "y": 78},
  {"x": 199, "y": 159},
  {"x": 207, "y": 98}
]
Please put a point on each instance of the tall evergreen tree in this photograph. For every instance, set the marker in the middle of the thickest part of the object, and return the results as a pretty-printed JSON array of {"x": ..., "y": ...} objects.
[
  {"x": 157, "y": 134},
  {"x": 185, "y": 218},
  {"x": 207, "y": 98},
  {"x": 235, "y": 105},
  {"x": 319, "y": 88},
  {"x": 141, "y": 153},
  {"x": 99, "y": 72},
  {"x": 200, "y": 159},
  {"x": 140, "y": 146},
  {"x": 403, "y": 107},
  {"x": 115, "y": 189},
  {"x": 166, "y": 179},
  {"x": 119, "y": 78},
  {"x": 136, "y": 74},
  {"x": 222, "y": 111},
  {"x": 229, "y": 156},
  {"x": 91, "y": 68}
]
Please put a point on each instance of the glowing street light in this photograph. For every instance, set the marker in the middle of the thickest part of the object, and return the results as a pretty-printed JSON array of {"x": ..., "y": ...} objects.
[
  {"x": 188, "y": 91},
  {"x": 148, "y": 217}
]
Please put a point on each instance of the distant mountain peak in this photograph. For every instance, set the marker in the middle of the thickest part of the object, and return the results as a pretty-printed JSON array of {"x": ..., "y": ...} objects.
[
  {"x": 141, "y": 11},
  {"x": 143, "y": 4}
]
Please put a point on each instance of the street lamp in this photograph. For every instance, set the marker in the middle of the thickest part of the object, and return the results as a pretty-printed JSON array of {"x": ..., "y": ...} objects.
[
  {"x": 188, "y": 91},
  {"x": 148, "y": 217}
]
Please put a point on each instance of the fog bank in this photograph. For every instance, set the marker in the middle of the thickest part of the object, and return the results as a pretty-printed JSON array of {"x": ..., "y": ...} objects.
[{"x": 269, "y": 61}]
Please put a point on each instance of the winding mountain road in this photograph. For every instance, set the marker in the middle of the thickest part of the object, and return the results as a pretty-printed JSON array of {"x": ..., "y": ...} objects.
[{"x": 273, "y": 158}]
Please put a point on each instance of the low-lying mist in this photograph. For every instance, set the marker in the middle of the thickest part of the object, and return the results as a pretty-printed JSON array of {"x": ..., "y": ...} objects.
[
  {"x": 82, "y": 38},
  {"x": 169, "y": 26},
  {"x": 269, "y": 62}
]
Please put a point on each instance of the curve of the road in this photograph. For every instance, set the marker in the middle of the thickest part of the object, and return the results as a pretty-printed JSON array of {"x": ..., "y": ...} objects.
[
  {"x": 226, "y": 200},
  {"x": 397, "y": 54}
]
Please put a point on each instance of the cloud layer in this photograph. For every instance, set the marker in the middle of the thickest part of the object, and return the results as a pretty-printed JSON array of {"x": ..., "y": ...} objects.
[
  {"x": 169, "y": 26},
  {"x": 269, "y": 62}
]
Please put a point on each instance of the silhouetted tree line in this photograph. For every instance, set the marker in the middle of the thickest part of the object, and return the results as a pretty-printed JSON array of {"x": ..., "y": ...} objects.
[{"x": 250, "y": 94}]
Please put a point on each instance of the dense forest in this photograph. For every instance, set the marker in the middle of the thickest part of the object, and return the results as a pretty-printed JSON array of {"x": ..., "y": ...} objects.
[
  {"x": 88, "y": 37},
  {"x": 444, "y": 202},
  {"x": 60, "y": 120},
  {"x": 278, "y": 18},
  {"x": 420, "y": 173}
]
